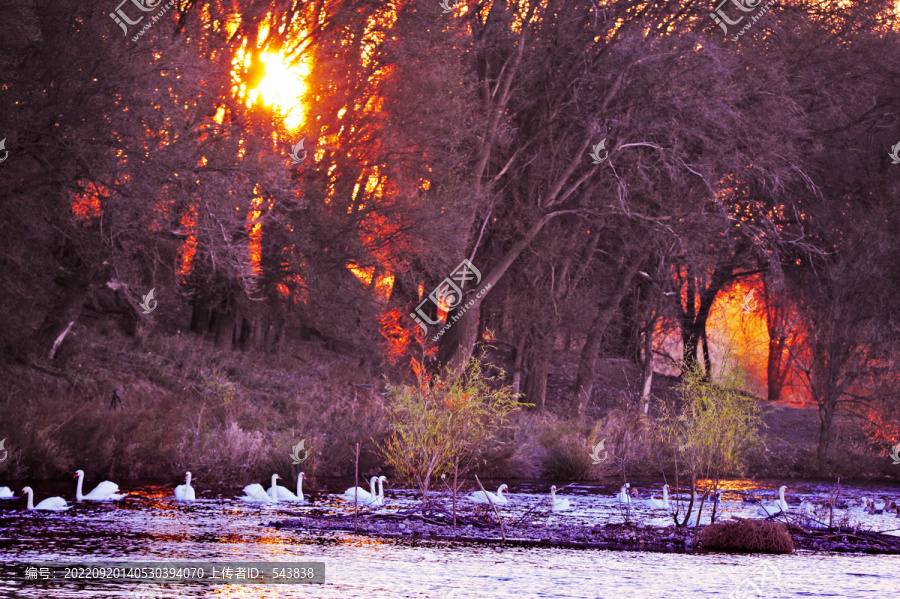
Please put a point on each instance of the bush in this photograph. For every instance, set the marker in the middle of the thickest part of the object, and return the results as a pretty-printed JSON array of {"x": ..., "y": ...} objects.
[
  {"x": 627, "y": 440},
  {"x": 754, "y": 536},
  {"x": 442, "y": 425},
  {"x": 568, "y": 457}
]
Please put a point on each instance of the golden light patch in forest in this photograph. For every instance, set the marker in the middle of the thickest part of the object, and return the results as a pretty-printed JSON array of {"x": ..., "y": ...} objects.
[
  {"x": 741, "y": 321},
  {"x": 384, "y": 282},
  {"x": 741, "y": 326},
  {"x": 189, "y": 247},
  {"x": 282, "y": 88},
  {"x": 254, "y": 232},
  {"x": 395, "y": 327}
]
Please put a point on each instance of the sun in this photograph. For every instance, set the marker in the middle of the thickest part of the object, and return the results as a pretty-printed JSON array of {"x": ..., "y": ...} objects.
[{"x": 282, "y": 88}]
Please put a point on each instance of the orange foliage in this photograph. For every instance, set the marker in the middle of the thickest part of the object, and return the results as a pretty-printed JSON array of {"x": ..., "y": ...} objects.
[
  {"x": 86, "y": 205},
  {"x": 189, "y": 247},
  {"x": 395, "y": 330}
]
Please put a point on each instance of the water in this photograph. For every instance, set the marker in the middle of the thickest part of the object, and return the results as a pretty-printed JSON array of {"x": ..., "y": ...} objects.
[{"x": 149, "y": 525}]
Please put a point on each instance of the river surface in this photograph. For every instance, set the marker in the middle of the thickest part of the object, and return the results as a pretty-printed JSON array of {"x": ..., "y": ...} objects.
[{"x": 149, "y": 525}]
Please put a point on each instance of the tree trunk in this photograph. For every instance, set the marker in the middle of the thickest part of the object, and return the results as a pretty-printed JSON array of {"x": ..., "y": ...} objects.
[
  {"x": 826, "y": 419},
  {"x": 692, "y": 319},
  {"x": 691, "y": 334},
  {"x": 223, "y": 324},
  {"x": 201, "y": 315},
  {"x": 537, "y": 368},
  {"x": 584, "y": 380},
  {"x": 518, "y": 362},
  {"x": 458, "y": 343},
  {"x": 67, "y": 308},
  {"x": 776, "y": 366}
]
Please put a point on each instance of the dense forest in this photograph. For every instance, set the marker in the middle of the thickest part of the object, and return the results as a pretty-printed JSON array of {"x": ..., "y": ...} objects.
[{"x": 225, "y": 229}]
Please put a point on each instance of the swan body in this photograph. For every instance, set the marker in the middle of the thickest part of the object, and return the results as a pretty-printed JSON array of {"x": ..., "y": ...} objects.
[
  {"x": 498, "y": 498},
  {"x": 810, "y": 518},
  {"x": 878, "y": 506},
  {"x": 765, "y": 509},
  {"x": 53, "y": 504},
  {"x": 185, "y": 492},
  {"x": 622, "y": 496},
  {"x": 105, "y": 491},
  {"x": 656, "y": 504},
  {"x": 285, "y": 495},
  {"x": 5, "y": 493},
  {"x": 255, "y": 493},
  {"x": 364, "y": 497},
  {"x": 558, "y": 504}
]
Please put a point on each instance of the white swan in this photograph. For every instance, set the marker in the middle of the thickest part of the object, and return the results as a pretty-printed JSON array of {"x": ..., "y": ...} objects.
[
  {"x": 361, "y": 495},
  {"x": 379, "y": 499},
  {"x": 5, "y": 493},
  {"x": 498, "y": 498},
  {"x": 105, "y": 491},
  {"x": 185, "y": 492},
  {"x": 255, "y": 493},
  {"x": 878, "y": 506},
  {"x": 285, "y": 495},
  {"x": 656, "y": 504},
  {"x": 622, "y": 495},
  {"x": 558, "y": 504},
  {"x": 766, "y": 509},
  {"x": 55, "y": 504}
]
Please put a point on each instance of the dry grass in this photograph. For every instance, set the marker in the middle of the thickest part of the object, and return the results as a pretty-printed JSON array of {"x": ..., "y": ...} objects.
[
  {"x": 754, "y": 536},
  {"x": 225, "y": 416}
]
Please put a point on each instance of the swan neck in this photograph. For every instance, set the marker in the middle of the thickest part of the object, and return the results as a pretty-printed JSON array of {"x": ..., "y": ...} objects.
[
  {"x": 299, "y": 485},
  {"x": 372, "y": 486},
  {"x": 380, "y": 488},
  {"x": 30, "y": 499},
  {"x": 78, "y": 493},
  {"x": 188, "y": 481}
]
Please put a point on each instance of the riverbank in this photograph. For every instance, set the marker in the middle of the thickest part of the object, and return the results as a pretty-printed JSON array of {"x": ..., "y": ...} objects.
[{"x": 437, "y": 525}]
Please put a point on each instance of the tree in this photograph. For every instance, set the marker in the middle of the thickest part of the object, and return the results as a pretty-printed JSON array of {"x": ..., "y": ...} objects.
[
  {"x": 713, "y": 428},
  {"x": 443, "y": 425}
]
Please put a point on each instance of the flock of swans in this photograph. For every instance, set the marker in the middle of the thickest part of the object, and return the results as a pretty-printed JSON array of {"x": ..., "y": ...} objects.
[
  {"x": 764, "y": 509},
  {"x": 256, "y": 493},
  {"x": 374, "y": 497}
]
